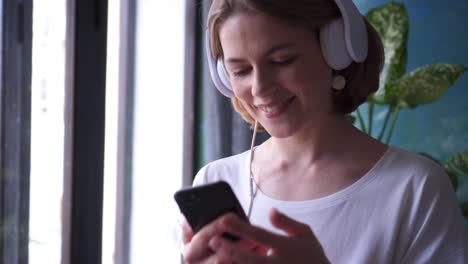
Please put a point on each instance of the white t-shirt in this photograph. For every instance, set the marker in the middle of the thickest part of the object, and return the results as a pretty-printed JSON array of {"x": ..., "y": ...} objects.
[{"x": 403, "y": 210}]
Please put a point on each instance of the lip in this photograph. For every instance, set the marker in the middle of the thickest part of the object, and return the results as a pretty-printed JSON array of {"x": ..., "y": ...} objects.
[{"x": 281, "y": 107}]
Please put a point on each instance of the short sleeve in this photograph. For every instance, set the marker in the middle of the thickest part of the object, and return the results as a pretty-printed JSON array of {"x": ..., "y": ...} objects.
[
  {"x": 438, "y": 234},
  {"x": 201, "y": 177}
]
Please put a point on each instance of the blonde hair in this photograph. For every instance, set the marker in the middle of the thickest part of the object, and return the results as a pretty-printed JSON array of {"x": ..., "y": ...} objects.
[{"x": 362, "y": 79}]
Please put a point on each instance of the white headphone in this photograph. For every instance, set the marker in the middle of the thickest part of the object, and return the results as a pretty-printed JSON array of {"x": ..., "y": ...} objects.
[{"x": 342, "y": 41}]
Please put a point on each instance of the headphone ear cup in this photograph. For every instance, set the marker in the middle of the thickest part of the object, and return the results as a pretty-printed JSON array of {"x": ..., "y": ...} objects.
[
  {"x": 222, "y": 73},
  {"x": 217, "y": 72},
  {"x": 333, "y": 44}
]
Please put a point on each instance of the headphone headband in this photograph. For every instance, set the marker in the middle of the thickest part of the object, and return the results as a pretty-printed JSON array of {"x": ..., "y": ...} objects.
[{"x": 355, "y": 30}]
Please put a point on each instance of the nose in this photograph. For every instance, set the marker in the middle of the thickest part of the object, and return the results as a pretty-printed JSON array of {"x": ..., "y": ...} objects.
[{"x": 261, "y": 83}]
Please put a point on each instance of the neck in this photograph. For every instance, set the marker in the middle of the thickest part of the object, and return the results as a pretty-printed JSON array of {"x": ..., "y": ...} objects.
[{"x": 330, "y": 138}]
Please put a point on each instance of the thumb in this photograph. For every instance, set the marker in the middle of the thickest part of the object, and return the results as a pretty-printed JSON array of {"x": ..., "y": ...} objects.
[
  {"x": 289, "y": 225},
  {"x": 187, "y": 232}
]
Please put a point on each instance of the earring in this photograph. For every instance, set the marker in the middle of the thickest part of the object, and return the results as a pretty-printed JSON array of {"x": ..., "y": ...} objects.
[{"x": 338, "y": 82}]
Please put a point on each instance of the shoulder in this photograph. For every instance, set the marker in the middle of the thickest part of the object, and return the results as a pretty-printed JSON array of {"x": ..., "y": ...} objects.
[
  {"x": 414, "y": 169},
  {"x": 414, "y": 161},
  {"x": 423, "y": 181},
  {"x": 420, "y": 180},
  {"x": 228, "y": 169},
  {"x": 430, "y": 212}
]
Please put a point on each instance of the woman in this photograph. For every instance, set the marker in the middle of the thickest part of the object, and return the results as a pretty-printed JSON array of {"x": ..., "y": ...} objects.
[{"x": 319, "y": 190}]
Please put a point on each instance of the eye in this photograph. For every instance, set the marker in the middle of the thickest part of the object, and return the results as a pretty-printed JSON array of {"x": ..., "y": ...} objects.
[
  {"x": 240, "y": 72},
  {"x": 282, "y": 62}
]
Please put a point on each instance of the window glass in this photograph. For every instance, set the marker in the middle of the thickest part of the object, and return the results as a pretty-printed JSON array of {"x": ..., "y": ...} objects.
[
  {"x": 47, "y": 131},
  {"x": 157, "y": 160},
  {"x": 110, "y": 151}
]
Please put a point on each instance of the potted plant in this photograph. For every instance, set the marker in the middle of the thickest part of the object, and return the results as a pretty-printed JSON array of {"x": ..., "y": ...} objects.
[{"x": 401, "y": 90}]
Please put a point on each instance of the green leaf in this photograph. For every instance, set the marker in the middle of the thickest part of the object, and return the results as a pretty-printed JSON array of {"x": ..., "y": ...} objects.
[
  {"x": 351, "y": 119},
  {"x": 457, "y": 164},
  {"x": 391, "y": 22},
  {"x": 464, "y": 208},
  {"x": 423, "y": 85}
]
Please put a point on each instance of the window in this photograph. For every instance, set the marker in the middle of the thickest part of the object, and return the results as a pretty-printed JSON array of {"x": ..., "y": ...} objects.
[
  {"x": 58, "y": 191},
  {"x": 15, "y": 124},
  {"x": 158, "y": 129}
]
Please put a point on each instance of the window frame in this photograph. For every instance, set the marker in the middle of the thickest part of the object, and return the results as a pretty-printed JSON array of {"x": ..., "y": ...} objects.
[
  {"x": 15, "y": 128},
  {"x": 126, "y": 103},
  {"x": 82, "y": 202},
  {"x": 86, "y": 46}
]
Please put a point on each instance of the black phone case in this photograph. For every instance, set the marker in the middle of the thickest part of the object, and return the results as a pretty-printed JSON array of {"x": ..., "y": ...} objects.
[{"x": 202, "y": 204}]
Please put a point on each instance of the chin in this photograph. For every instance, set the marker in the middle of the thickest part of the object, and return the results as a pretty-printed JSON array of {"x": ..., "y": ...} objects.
[{"x": 280, "y": 131}]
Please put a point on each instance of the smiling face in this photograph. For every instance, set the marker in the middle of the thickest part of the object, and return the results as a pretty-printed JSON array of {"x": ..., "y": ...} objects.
[{"x": 277, "y": 72}]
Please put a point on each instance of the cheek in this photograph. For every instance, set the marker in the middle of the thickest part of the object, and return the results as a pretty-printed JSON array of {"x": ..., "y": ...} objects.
[
  {"x": 244, "y": 97},
  {"x": 313, "y": 69},
  {"x": 315, "y": 80},
  {"x": 241, "y": 91},
  {"x": 244, "y": 107}
]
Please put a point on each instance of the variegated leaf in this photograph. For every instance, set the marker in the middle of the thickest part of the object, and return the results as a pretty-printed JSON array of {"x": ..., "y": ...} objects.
[
  {"x": 391, "y": 22},
  {"x": 423, "y": 85},
  {"x": 457, "y": 164}
]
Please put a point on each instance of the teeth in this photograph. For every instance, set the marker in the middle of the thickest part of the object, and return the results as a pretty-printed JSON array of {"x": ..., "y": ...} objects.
[{"x": 270, "y": 109}]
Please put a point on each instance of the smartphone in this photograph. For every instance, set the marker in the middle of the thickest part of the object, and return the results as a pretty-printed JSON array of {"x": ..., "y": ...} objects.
[{"x": 202, "y": 204}]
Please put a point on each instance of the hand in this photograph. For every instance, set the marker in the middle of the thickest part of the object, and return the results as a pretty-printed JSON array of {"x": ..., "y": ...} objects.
[
  {"x": 299, "y": 245},
  {"x": 187, "y": 232},
  {"x": 197, "y": 249}
]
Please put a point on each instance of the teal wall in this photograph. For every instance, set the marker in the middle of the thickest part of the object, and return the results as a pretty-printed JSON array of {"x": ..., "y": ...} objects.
[{"x": 436, "y": 34}]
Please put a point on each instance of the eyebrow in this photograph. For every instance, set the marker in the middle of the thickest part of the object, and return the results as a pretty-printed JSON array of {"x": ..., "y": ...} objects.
[{"x": 270, "y": 51}]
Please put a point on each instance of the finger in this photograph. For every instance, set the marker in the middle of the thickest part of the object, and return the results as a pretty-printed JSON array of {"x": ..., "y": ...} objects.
[
  {"x": 289, "y": 225},
  {"x": 229, "y": 252},
  {"x": 252, "y": 246},
  {"x": 244, "y": 230},
  {"x": 187, "y": 232},
  {"x": 198, "y": 247},
  {"x": 207, "y": 260},
  {"x": 247, "y": 245}
]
